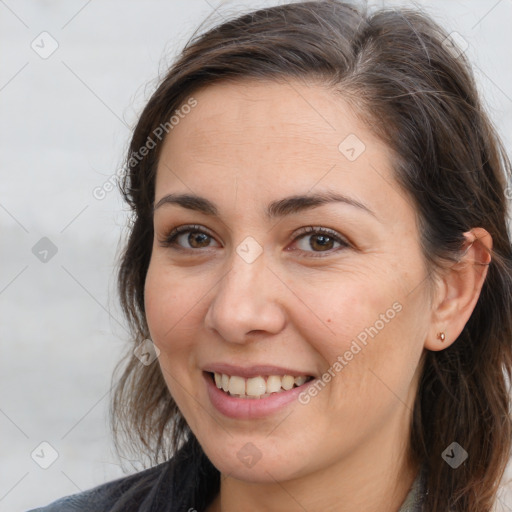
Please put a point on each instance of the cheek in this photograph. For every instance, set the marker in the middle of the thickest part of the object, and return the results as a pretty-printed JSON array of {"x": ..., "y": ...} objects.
[
  {"x": 168, "y": 301},
  {"x": 159, "y": 300},
  {"x": 370, "y": 336},
  {"x": 168, "y": 309},
  {"x": 343, "y": 311},
  {"x": 176, "y": 303}
]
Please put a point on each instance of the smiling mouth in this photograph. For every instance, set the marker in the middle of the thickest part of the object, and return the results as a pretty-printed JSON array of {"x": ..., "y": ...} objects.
[{"x": 257, "y": 387}]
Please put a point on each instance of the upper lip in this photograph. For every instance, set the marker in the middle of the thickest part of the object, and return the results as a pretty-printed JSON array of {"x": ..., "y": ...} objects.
[{"x": 252, "y": 371}]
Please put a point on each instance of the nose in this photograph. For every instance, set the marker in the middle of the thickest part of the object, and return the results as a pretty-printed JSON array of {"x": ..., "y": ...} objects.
[{"x": 246, "y": 302}]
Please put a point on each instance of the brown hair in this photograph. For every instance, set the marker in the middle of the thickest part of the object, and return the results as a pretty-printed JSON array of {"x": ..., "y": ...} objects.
[{"x": 420, "y": 98}]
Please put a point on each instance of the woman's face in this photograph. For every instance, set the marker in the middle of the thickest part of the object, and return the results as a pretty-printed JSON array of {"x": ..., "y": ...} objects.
[{"x": 274, "y": 278}]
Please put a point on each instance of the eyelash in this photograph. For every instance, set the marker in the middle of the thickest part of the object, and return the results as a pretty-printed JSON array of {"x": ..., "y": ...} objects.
[{"x": 170, "y": 239}]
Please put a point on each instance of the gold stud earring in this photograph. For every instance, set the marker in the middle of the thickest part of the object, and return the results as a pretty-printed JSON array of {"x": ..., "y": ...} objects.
[{"x": 441, "y": 336}]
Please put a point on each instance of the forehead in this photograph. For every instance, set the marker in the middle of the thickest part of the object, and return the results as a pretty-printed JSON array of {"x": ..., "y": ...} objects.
[
  {"x": 288, "y": 137},
  {"x": 305, "y": 120}
]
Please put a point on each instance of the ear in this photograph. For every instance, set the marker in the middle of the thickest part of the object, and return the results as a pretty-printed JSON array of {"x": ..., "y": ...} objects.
[{"x": 458, "y": 290}]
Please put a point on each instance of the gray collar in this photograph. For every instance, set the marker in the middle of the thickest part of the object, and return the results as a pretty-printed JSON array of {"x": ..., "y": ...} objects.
[{"x": 414, "y": 500}]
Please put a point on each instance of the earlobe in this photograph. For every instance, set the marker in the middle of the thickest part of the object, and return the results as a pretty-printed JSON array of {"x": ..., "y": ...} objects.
[{"x": 459, "y": 289}]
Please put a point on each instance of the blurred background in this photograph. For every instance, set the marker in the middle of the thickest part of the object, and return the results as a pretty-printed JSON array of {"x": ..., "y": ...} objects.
[{"x": 74, "y": 75}]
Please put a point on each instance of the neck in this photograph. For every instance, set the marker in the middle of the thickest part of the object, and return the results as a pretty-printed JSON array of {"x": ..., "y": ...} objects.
[{"x": 375, "y": 474}]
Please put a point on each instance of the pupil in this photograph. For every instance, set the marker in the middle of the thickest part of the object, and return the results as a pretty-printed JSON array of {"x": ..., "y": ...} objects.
[
  {"x": 324, "y": 241},
  {"x": 193, "y": 239}
]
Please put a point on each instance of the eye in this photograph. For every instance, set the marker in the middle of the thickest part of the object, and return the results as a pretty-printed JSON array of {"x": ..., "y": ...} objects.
[
  {"x": 195, "y": 236},
  {"x": 310, "y": 239},
  {"x": 320, "y": 240}
]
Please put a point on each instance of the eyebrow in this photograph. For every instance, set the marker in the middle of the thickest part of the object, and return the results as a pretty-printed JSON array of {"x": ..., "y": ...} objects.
[{"x": 279, "y": 208}]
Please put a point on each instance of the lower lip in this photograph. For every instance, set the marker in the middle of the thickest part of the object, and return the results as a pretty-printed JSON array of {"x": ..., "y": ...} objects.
[{"x": 250, "y": 408}]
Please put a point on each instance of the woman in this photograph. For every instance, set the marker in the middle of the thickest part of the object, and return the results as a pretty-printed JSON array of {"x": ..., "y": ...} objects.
[{"x": 318, "y": 274}]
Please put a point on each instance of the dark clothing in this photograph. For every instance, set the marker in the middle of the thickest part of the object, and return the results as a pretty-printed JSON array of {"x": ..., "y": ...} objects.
[{"x": 188, "y": 482}]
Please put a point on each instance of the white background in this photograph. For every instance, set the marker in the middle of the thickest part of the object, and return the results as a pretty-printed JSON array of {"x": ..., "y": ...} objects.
[{"x": 64, "y": 125}]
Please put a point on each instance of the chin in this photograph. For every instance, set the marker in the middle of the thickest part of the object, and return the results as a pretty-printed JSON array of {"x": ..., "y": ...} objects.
[{"x": 254, "y": 461}]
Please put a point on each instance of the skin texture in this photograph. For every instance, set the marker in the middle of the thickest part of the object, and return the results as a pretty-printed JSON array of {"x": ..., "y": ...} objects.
[{"x": 244, "y": 145}]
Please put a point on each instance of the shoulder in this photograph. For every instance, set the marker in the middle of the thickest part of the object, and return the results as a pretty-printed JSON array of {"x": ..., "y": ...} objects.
[
  {"x": 186, "y": 481},
  {"x": 126, "y": 493}
]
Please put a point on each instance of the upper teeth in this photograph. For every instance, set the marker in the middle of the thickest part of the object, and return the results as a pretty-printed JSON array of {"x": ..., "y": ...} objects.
[{"x": 257, "y": 386}]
